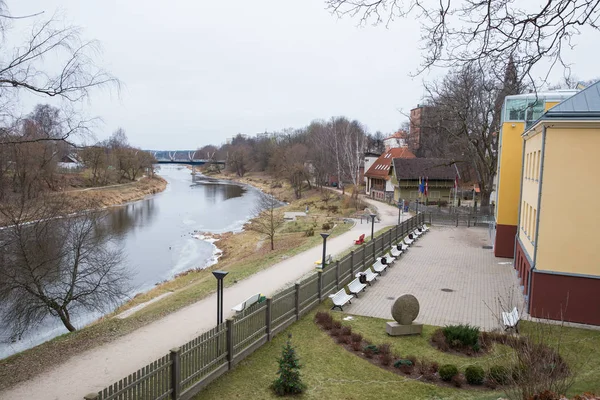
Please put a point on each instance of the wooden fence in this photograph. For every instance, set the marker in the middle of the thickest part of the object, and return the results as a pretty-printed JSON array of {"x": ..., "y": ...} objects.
[{"x": 186, "y": 370}]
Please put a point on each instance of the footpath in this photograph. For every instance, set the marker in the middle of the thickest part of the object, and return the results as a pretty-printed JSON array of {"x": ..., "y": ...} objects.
[{"x": 95, "y": 369}]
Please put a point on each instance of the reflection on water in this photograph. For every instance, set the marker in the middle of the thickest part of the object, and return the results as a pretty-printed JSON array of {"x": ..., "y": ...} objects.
[{"x": 156, "y": 235}]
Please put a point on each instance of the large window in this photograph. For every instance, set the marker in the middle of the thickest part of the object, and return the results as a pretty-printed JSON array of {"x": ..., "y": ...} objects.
[{"x": 523, "y": 109}]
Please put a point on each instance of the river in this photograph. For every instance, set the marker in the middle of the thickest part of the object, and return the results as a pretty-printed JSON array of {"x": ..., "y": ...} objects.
[{"x": 158, "y": 235}]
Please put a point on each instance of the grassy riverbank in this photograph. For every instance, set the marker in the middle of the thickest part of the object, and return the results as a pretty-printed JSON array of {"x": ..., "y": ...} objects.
[{"x": 243, "y": 255}]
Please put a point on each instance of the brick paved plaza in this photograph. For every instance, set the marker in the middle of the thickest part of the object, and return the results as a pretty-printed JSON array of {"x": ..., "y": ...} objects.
[{"x": 446, "y": 258}]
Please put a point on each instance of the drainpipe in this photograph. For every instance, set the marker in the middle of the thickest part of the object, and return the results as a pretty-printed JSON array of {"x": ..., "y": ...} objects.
[
  {"x": 537, "y": 219},
  {"x": 520, "y": 201}
]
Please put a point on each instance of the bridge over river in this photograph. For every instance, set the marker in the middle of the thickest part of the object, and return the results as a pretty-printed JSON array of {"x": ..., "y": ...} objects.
[{"x": 189, "y": 157}]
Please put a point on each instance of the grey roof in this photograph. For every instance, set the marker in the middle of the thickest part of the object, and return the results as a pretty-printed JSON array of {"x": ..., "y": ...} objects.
[
  {"x": 432, "y": 168},
  {"x": 585, "y": 104}
]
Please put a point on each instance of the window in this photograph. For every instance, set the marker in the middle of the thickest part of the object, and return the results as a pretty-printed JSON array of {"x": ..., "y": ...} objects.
[
  {"x": 523, "y": 109},
  {"x": 539, "y": 164},
  {"x": 534, "y": 225}
]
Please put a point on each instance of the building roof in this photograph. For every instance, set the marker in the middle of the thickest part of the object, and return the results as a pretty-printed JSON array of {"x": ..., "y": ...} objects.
[
  {"x": 381, "y": 166},
  {"x": 585, "y": 104},
  {"x": 431, "y": 168},
  {"x": 398, "y": 135}
]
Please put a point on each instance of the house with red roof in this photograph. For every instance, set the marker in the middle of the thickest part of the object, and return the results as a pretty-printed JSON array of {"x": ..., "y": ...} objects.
[{"x": 377, "y": 177}]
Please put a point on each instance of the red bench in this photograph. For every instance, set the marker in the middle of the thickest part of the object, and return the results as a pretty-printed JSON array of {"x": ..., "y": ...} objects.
[{"x": 361, "y": 239}]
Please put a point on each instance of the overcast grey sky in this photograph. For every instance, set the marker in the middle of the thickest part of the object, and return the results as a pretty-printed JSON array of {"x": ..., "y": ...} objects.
[{"x": 197, "y": 72}]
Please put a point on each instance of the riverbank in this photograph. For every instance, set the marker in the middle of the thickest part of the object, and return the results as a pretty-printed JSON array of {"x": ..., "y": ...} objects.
[
  {"x": 114, "y": 195},
  {"x": 244, "y": 254}
]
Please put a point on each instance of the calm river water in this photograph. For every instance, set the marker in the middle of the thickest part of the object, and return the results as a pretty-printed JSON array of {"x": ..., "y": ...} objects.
[{"x": 157, "y": 236}]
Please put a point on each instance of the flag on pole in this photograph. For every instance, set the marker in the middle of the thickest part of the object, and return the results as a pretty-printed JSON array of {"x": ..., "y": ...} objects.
[
  {"x": 426, "y": 187},
  {"x": 421, "y": 186}
]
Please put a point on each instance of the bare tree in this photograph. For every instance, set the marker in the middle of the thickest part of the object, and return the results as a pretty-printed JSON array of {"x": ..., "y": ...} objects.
[
  {"x": 463, "y": 32},
  {"x": 268, "y": 219},
  {"x": 23, "y": 67},
  {"x": 56, "y": 266},
  {"x": 465, "y": 120}
]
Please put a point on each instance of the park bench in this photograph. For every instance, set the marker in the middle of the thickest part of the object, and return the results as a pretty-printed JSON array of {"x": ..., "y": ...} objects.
[
  {"x": 247, "y": 303},
  {"x": 395, "y": 252},
  {"x": 408, "y": 241},
  {"x": 360, "y": 240},
  {"x": 355, "y": 287},
  {"x": 511, "y": 320},
  {"x": 416, "y": 233},
  {"x": 389, "y": 258},
  {"x": 402, "y": 246},
  {"x": 328, "y": 260},
  {"x": 340, "y": 299},
  {"x": 379, "y": 267},
  {"x": 369, "y": 275},
  {"x": 425, "y": 228}
]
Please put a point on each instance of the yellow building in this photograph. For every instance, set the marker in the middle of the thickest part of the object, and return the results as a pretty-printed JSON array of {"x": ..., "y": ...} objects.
[
  {"x": 557, "y": 254},
  {"x": 518, "y": 113}
]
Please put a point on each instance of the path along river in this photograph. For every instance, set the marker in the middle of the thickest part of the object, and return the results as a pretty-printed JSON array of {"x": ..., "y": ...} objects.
[{"x": 159, "y": 236}]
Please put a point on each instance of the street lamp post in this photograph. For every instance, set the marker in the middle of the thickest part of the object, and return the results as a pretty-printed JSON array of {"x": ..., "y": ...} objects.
[
  {"x": 372, "y": 225},
  {"x": 324, "y": 236},
  {"x": 400, "y": 207},
  {"x": 220, "y": 275}
]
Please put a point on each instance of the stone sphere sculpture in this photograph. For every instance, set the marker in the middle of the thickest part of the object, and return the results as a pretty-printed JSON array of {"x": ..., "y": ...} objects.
[{"x": 405, "y": 309}]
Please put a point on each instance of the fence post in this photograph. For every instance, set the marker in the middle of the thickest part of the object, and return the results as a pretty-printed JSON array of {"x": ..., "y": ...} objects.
[
  {"x": 91, "y": 396},
  {"x": 364, "y": 256},
  {"x": 268, "y": 317},
  {"x": 175, "y": 373},
  {"x": 430, "y": 218},
  {"x": 457, "y": 220},
  {"x": 337, "y": 275},
  {"x": 229, "y": 324},
  {"x": 320, "y": 284},
  {"x": 297, "y": 300},
  {"x": 351, "y": 263}
]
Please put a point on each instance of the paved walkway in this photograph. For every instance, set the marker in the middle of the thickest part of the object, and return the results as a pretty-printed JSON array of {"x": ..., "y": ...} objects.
[
  {"x": 454, "y": 278},
  {"x": 95, "y": 369}
]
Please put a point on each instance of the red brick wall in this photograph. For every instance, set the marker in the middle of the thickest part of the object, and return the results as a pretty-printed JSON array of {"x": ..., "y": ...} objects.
[
  {"x": 505, "y": 241},
  {"x": 576, "y": 298}
]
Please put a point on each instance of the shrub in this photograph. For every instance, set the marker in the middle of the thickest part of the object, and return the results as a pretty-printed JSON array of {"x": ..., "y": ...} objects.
[
  {"x": 289, "y": 381},
  {"x": 434, "y": 366},
  {"x": 499, "y": 374},
  {"x": 309, "y": 232},
  {"x": 406, "y": 369},
  {"x": 412, "y": 359},
  {"x": 372, "y": 348},
  {"x": 385, "y": 359},
  {"x": 326, "y": 226},
  {"x": 447, "y": 372},
  {"x": 402, "y": 362},
  {"x": 343, "y": 339},
  {"x": 346, "y": 331},
  {"x": 369, "y": 352},
  {"x": 356, "y": 346},
  {"x": 474, "y": 374},
  {"x": 356, "y": 337},
  {"x": 337, "y": 324},
  {"x": 321, "y": 317},
  {"x": 385, "y": 348},
  {"x": 545, "y": 395},
  {"x": 458, "y": 380},
  {"x": 334, "y": 332},
  {"x": 328, "y": 325},
  {"x": 423, "y": 366},
  {"x": 465, "y": 335}
]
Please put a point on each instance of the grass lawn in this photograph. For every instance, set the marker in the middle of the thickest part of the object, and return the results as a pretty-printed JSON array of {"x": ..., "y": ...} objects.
[{"x": 331, "y": 372}]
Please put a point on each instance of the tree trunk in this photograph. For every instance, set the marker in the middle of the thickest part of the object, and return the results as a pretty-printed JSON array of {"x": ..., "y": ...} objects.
[
  {"x": 272, "y": 242},
  {"x": 66, "y": 319}
]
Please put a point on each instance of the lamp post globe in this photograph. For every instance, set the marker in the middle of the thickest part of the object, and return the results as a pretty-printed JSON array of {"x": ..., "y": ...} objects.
[
  {"x": 324, "y": 235},
  {"x": 372, "y": 224}
]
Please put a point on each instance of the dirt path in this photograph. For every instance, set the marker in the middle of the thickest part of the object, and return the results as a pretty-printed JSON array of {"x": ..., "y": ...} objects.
[{"x": 95, "y": 369}]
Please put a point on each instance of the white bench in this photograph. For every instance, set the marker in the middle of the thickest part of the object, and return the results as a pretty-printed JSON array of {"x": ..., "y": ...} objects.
[
  {"x": 355, "y": 287},
  {"x": 389, "y": 258},
  {"x": 402, "y": 246},
  {"x": 328, "y": 260},
  {"x": 395, "y": 252},
  {"x": 425, "y": 228},
  {"x": 340, "y": 299},
  {"x": 408, "y": 241},
  {"x": 511, "y": 320},
  {"x": 370, "y": 275},
  {"x": 379, "y": 267},
  {"x": 247, "y": 303},
  {"x": 416, "y": 234}
]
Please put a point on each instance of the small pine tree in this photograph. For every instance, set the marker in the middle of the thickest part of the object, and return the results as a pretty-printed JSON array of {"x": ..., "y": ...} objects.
[{"x": 289, "y": 381}]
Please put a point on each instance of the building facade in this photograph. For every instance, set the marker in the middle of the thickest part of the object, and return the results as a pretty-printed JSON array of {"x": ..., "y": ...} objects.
[
  {"x": 518, "y": 114},
  {"x": 557, "y": 257},
  {"x": 378, "y": 184},
  {"x": 440, "y": 174}
]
